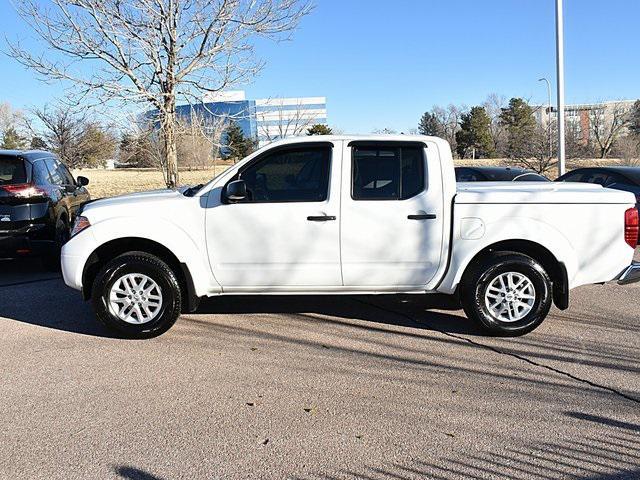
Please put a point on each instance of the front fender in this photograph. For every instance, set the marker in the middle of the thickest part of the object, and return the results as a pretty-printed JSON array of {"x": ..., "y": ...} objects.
[{"x": 189, "y": 249}]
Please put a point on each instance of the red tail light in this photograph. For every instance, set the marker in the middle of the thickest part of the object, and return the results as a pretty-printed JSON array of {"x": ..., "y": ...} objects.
[
  {"x": 631, "y": 227},
  {"x": 24, "y": 190}
]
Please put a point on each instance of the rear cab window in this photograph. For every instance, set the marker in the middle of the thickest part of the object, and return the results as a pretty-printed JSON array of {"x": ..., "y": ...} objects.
[
  {"x": 387, "y": 172},
  {"x": 12, "y": 170}
]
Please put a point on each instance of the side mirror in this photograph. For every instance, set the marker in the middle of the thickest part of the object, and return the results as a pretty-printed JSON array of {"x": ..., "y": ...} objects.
[
  {"x": 236, "y": 191},
  {"x": 82, "y": 181}
]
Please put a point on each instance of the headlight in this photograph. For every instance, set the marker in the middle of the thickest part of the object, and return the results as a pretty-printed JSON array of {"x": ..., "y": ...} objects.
[{"x": 79, "y": 225}]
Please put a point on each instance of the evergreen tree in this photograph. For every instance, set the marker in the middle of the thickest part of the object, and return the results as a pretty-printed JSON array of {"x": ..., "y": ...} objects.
[
  {"x": 136, "y": 149},
  {"x": 238, "y": 145},
  {"x": 521, "y": 129},
  {"x": 475, "y": 134},
  {"x": 12, "y": 140},
  {"x": 319, "y": 129},
  {"x": 430, "y": 125},
  {"x": 95, "y": 147}
]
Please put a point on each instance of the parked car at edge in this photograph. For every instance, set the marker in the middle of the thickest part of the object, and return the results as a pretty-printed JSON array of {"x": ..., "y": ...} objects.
[
  {"x": 38, "y": 201},
  {"x": 350, "y": 215},
  {"x": 626, "y": 179},
  {"x": 498, "y": 174}
]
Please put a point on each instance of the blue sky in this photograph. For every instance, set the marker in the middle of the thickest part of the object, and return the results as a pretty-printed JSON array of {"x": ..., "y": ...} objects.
[{"x": 381, "y": 63}]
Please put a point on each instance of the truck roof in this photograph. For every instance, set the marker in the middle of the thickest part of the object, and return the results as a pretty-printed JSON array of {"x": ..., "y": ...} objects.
[{"x": 355, "y": 138}]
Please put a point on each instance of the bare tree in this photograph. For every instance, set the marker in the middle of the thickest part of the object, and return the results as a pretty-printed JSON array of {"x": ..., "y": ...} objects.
[
  {"x": 200, "y": 139},
  {"x": 61, "y": 128},
  {"x": 384, "y": 131},
  {"x": 542, "y": 156},
  {"x": 289, "y": 122},
  {"x": 628, "y": 149},
  {"x": 153, "y": 52},
  {"x": 449, "y": 118},
  {"x": 577, "y": 141},
  {"x": 608, "y": 123},
  {"x": 493, "y": 105}
]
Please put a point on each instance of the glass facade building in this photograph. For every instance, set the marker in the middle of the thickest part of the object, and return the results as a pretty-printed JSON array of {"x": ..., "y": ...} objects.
[{"x": 265, "y": 120}]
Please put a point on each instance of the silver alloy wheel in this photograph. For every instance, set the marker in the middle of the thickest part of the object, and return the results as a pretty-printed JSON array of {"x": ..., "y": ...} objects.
[
  {"x": 135, "y": 298},
  {"x": 510, "y": 297}
]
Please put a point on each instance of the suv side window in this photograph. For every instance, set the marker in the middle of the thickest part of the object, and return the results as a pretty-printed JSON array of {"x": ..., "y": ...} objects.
[
  {"x": 594, "y": 176},
  {"x": 298, "y": 174},
  {"x": 387, "y": 172},
  {"x": 574, "y": 177},
  {"x": 466, "y": 175},
  {"x": 40, "y": 173},
  {"x": 52, "y": 166}
]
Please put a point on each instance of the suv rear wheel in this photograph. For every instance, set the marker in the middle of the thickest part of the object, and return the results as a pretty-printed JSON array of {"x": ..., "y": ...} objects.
[
  {"x": 137, "y": 295},
  {"x": 508, "y": 293}
]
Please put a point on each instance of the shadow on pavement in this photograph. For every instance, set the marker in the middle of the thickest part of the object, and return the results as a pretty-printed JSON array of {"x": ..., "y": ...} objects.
[
  {"x": 415, "y": 311},
  {"x": 132, "y": 473},
  {"x": 31, "y": 295},
  {"x": 34, "y": 296},
  {"x": 594, "y": 457}
]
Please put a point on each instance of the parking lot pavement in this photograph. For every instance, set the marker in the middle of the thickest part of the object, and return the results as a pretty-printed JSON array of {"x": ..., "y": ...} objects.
[{"x": 317, "y": 387}]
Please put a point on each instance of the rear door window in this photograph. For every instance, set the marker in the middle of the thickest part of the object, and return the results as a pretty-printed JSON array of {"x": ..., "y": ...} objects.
[
  {"x": 12, "y": 170},
  {"x": 40, "y": 173},
  {"x": 54, "y": 172},
  {"x": 387, "y": 172}
]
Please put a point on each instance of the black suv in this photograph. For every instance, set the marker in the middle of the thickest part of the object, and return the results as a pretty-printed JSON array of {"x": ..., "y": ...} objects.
[{"x": 38, "y": 201}]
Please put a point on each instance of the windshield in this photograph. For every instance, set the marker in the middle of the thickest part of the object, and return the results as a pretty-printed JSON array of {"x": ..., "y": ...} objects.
[{"x": 12, "y": 171}]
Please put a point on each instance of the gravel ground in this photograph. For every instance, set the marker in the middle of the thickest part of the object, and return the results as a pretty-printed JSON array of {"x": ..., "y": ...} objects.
[{"x": 316, "y": 388}]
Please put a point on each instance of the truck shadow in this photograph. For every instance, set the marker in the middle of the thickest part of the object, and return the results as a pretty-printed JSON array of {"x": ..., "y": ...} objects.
[
  {"x": 33, "y": 296},
  {"x": 426, "y": 312}
]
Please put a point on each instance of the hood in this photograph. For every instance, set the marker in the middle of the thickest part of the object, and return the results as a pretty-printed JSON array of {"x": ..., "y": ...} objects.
[
  {"x": 132, "y": 204},
  {"x": 540, "y": 192}
]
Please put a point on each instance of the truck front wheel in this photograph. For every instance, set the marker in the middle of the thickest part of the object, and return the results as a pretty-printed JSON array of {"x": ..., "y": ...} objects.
[
  {"x": 507, "y": 293},
  {"x": 137, "y": 295}
]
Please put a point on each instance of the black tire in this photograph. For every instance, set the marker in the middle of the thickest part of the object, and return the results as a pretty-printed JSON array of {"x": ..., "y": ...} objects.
[
  {"x": 156, "y": 270},
  {"x": 477, "y": 280},
  {"x": 51, "y": 260}
]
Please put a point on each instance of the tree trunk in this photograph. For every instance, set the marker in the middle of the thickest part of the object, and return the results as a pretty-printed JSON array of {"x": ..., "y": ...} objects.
[{"x": 169, "y": 139}]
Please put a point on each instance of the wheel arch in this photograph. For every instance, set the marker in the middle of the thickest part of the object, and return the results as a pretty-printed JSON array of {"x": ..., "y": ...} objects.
[
  {"x": 113, "y": 248},
  {"x": 556, "y": 269}
]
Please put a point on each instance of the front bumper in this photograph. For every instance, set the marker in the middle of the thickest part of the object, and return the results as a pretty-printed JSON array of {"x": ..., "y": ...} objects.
[{"x": 630, "y": 275}]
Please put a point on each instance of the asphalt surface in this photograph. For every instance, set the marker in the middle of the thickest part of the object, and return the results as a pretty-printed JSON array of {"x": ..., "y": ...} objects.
[{"x": 316, "y": 388}]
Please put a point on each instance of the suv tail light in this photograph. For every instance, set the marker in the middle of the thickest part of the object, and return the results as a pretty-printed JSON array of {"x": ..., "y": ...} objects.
[
  {"x": 631, "y": 227},
  {"x": 24, "y": 190}
]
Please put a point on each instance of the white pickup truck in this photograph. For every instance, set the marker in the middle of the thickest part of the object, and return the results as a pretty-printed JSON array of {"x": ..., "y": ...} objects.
[{"x": 350, "y": 215}]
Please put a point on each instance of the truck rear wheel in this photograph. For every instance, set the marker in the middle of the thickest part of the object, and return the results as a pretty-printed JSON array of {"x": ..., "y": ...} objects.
[
  {"x": 137, "y": 295},
  {"x": 507, "y": 293}
]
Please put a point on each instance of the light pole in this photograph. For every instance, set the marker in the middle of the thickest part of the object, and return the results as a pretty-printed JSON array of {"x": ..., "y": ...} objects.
[
  {"x": 543, "y": 79},
  {"x": 560, "y": 78}
]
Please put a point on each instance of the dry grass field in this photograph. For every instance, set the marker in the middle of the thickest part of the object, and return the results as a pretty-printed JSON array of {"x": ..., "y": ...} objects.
[{"x": 108, "y": 183}]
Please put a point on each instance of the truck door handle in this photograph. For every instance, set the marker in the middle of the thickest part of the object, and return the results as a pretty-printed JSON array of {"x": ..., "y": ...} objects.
[
  {"x": 321, "y": 218},
  {"x": 422, "y": 216}
]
